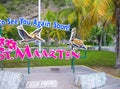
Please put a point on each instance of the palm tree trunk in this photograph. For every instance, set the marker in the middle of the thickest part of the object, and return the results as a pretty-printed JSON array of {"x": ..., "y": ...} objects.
[
  {"x": 100, "y": 43},
  {"x": 48, "y": 40},
  {"x": 78, "y": 25},
  {"x": 104, "y": 38},
  {"x": 56, "y": 41},
  {"x": 101, "y": 39},
  {"x": 117, "y": 65}
]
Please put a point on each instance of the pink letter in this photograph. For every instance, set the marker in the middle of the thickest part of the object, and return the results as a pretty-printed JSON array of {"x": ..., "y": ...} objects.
[
  {"x": 27, "y": 51},
  {"x": 76, "y": 55},
  {"x": 2, "y": 57},
  {"x": 52, "y": 54},
  {"x": 37, "y": 54},
  {"x": 7, "y": 55},
  {"x": 1, "y": 49},
  {"x": 45, "y": 54},
  {"x": 60, "y": 53},
  {"x": 68, "y": 55}
]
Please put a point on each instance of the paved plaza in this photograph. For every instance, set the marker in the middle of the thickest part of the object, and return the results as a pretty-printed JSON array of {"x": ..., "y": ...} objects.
[{"x": 59, "y": 77}]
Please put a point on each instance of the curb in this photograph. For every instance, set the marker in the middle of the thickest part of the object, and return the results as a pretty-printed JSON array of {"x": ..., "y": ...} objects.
[{"x": 99, "y": 71}]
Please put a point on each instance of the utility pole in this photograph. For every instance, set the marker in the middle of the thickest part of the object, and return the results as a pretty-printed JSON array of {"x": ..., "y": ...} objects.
[{"x": 39, "y": 19}]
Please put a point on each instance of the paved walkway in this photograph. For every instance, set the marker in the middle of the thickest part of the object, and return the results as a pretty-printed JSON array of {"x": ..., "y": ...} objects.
[{"x": 58, "y": 77}]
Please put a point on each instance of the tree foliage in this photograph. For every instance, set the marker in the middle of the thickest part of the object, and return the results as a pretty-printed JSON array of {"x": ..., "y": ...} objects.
[{"x": 3, "y": 12}]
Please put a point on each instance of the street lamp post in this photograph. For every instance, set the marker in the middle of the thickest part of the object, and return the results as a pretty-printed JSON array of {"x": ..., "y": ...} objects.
[
  {"x": 39, "y": 13},
  {"x": 39, "y": 18}
]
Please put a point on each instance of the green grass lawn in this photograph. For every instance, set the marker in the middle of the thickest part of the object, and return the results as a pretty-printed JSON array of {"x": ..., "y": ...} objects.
[{"x": 94, "y": 58}]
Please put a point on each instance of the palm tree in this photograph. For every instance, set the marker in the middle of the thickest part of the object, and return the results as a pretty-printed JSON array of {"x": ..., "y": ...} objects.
[
  {"x": 107, "y": 11},
  {"x": 81, "y": 12},
  {"x": 86, "y": 13},
  {"x": 117, "y": 13},
  {"x": 100, "y": 14},
  {"x": 50, "y": 16},
  {"x": 75, "y": 15},
  {"x": 51, "y": 32},
  {"x": 57, "y": 35}
]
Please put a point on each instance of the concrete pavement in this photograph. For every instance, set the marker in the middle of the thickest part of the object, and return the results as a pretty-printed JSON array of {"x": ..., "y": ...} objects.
[{"x": 59, "y": 77}]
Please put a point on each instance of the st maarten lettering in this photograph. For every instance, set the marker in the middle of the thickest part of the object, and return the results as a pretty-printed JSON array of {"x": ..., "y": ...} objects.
[{"x": 55, "y": 54}]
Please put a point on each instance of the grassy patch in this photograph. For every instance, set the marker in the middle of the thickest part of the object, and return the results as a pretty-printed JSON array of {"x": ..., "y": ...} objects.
[{"x": 94, "y": 58}]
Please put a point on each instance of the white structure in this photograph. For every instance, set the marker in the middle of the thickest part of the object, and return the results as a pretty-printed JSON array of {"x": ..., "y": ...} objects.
[
  {"x": 12, "y": 80},
  {"x": 90, "y": 81}
]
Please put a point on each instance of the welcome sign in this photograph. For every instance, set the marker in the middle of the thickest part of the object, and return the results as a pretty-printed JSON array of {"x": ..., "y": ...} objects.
[
  {"x": 9, "y": 45},
  {"x": 35, "y": 22}
]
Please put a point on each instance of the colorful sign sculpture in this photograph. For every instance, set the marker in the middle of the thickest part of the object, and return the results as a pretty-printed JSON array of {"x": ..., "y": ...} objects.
[
  {"x": 29, "y": 37},
  {"x": 9, "y": 45},
  {"x": 76, "y": 42}
]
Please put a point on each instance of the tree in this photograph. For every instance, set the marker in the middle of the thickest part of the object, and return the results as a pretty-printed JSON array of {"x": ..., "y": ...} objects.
[
  {"x": 95, "y": 34},
  {"x": 117, "y": 15},
  {"x": 3, "y": 15},
  {"x": 81, "y": 11},
  {"x": 100, "y": 14},
  {"x": 114, "y": 9},
  {"x": 3, "y": 1},
  {"x": 3, "y": 12},
  {"x": 50, "y": 16},
  {"x": 57, "y": 35},
  {"x": 77, "y": 16}
]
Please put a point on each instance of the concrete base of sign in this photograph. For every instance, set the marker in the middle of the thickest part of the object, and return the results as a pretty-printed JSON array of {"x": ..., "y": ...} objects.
[
  {"x": 90, "y": 81},
  {"x": 12, "y": 80}
]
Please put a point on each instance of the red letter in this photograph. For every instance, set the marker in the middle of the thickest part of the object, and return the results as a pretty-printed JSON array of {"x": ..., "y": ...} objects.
[
  {"x": 68, "y": 55},
  {"x": 37, "y": 54},
  {"x": 76, "y": 55},
  {"x": 8, "y": 56},
  {"x": 52, "y": 54},
  {"x": 45, "y": 54},
  {"x": 27, "y": 51},
  {"x": 2, "y": 57},
  {"x": 60, "y": 53},
  {"x": 1, "y": 49}
]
